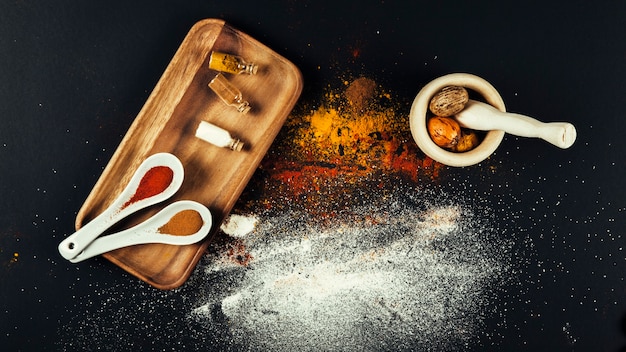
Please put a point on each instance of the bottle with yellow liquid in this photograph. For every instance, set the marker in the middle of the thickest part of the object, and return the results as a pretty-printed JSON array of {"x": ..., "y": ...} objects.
[{"x": 230, "y": 64}]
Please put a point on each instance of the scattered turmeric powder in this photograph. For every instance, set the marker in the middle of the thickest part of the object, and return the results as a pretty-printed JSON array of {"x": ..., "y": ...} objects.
[
  {"x": 356, "y": 128},
  {"x": 357, "y": 136}
]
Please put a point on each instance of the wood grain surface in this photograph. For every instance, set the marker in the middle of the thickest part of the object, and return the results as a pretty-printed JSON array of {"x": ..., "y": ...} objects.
[{"x": 167, "y": 122}]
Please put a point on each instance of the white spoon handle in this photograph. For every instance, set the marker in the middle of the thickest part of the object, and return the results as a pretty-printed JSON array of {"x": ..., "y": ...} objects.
[
  {"x": 75, "y": 243},
  {"x": 484, "y": 117}
]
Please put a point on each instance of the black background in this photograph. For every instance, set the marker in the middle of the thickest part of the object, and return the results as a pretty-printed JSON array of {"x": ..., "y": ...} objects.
[{"x": 73, "y": 75}]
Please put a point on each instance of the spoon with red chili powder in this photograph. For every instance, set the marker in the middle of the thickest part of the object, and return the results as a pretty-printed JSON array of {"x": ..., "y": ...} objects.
[
  {"x": 180, "y": 223},
  {"x": 155, "y": 180}
]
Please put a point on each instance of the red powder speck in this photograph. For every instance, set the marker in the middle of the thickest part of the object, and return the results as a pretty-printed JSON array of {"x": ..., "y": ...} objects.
[
  {"x": 238, "y": 254},
  {"x": 155, "y": 181}
]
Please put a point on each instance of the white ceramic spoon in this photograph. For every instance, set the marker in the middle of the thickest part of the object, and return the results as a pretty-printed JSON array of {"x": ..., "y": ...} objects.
[
  {"x": 149, "y": 231},
  {"x": 121, "y": 208},
  {"x": 484, "y": 117}
]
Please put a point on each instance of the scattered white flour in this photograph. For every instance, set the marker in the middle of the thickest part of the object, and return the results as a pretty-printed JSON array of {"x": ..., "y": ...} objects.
[
  {"x": 238, "y": 225},
  {"x": 400, "y": 278},
  {"x": 418, "y": 270}
]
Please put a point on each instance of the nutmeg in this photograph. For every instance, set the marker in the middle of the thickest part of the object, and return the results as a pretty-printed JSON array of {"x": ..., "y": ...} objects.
[
  {"x": 449, "y": 101},
  {"x": 468, "y": 141},
  {"x": 444, "y": 131}
]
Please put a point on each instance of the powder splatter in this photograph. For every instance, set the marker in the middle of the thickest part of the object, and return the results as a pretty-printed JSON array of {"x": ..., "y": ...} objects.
[
  {"x": 401, "y": 278},
  {"x": 418, "y": 270},
  {"x": 329, "y": 154},
  {"x": 358, "y": 131}
]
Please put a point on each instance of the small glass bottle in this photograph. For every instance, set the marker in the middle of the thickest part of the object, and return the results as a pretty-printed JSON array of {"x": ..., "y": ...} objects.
[
  {"x": 218, "y": 136},
  {"x": 229, "y": 93},
  {"x": 230, "y": 64}
]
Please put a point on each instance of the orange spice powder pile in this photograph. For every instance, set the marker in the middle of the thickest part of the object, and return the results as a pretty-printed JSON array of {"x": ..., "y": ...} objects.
[
  {"x": 358, "y": 134},
  {"x": 183, "y": 223}
]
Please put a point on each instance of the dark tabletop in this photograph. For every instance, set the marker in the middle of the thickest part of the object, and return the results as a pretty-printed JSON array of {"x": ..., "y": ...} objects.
[{"x": 75, "y": 74}]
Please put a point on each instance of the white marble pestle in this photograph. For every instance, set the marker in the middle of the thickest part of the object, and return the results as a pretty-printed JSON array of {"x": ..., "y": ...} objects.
[{"x": 484, "y": 117}]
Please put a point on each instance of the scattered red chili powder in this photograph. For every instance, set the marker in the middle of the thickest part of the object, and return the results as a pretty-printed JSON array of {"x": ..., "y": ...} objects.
[
  {"x": 238, "y": 254},
  {"x": 155, "y": 181}
]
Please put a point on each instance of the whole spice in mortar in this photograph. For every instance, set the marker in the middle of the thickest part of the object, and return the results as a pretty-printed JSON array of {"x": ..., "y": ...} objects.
[
  {"x": 468, "y": 140},
  {"x": 184, "y": 223},
  {"x": 449, "y": 101},
  {"x": 444, "y": 131},
  {"x": 155, "y": 181}
]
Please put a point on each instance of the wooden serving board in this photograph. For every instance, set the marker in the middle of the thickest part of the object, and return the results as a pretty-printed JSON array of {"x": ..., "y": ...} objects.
[{"x": 214, "y": 176}]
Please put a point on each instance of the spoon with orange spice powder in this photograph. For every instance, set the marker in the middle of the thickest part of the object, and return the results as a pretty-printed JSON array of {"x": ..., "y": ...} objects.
[
  {"x": 180, "y": 223},
  {"x": 155, "y": 180}
]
